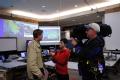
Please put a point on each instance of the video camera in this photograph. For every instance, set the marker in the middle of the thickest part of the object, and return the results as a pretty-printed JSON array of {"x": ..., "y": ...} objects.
[{"x": 79, "y": 31}]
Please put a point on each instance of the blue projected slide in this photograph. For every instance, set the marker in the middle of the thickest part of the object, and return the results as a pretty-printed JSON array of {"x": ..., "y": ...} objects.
[
  {"x": 10, "y": 28},
  {"x": 1, "y": 28}
]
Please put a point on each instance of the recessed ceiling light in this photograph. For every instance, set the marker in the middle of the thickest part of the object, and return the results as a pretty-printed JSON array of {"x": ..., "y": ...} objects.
[
  {"x": 75, "y": 6},
  {"x": 43, "y": 6}
]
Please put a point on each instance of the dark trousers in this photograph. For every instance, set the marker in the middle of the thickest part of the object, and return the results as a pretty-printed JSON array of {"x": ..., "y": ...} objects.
[
  {"x": 62, "y": 77},
  {"x": 35, "y": 77},
  {"x": 86, "y": 74}
]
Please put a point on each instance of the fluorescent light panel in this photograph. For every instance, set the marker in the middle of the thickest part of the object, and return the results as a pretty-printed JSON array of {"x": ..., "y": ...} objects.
[{"x": 65, "y": 13}]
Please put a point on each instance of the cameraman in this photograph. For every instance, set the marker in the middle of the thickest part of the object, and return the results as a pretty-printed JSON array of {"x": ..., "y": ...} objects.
[{"x": 91, "y": 59}]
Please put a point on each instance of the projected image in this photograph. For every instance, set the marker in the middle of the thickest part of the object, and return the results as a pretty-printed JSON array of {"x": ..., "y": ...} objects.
[
  {"x": 1, "y": 28},
  {"x": 28, "y": 29},
  {"x": 19, "y": 29},
  {"x": 51, "y": 34},
  {"x": 10, "y": 28}
]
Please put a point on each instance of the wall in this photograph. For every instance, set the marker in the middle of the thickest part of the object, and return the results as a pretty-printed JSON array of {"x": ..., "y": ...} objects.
[{"x": 113, "y": 19}]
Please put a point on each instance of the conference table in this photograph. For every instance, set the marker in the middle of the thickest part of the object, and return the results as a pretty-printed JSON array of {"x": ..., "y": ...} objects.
[
  {"x": 111, "y": 62},
  {"x": 19, "y": 66},
  {"x": 10, "y": 67},
  {"x": 74, "y": 65},
  {"x": 14, "y": 70},
  {"x": 71, "y": 65}
]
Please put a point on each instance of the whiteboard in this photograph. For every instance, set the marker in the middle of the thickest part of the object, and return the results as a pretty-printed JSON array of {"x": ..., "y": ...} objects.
[
  {"x": 113, "y": 19},
  {"x": 8, "y": 44}
]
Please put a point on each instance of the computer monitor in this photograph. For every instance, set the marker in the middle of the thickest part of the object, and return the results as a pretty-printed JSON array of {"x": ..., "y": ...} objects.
[
  {"x": 2, "y": 58},
  {"x": 8, "y": 45},
  {"x": 45, "y": 52},
  {"x": 23, "y": 54}
]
